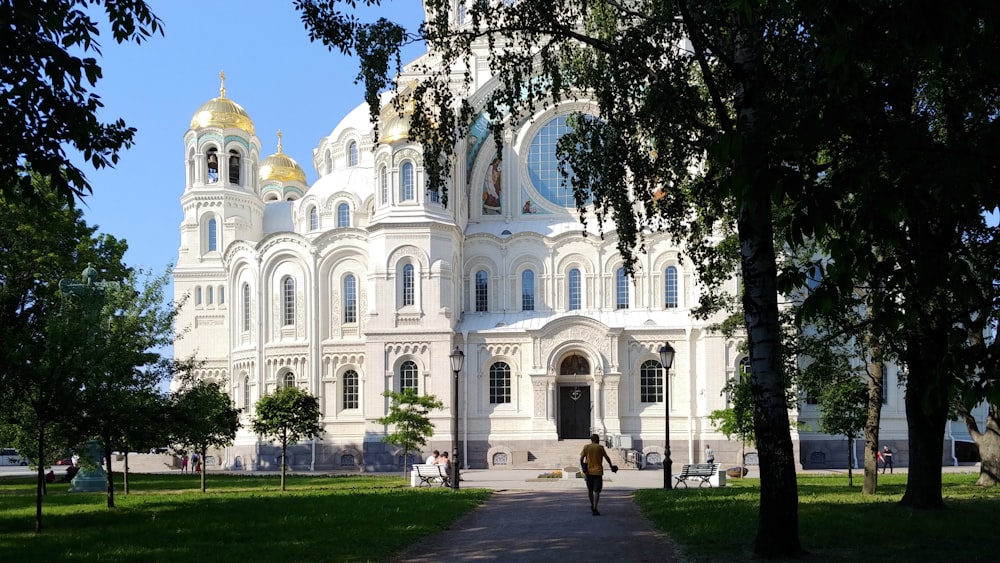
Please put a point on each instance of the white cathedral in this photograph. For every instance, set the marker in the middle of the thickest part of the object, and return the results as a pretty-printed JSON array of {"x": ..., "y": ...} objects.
[{"x": 364, "y": 282}]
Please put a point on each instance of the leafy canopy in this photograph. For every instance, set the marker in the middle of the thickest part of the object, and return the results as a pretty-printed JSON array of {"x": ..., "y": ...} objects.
[{"x": 47, "y": 101}]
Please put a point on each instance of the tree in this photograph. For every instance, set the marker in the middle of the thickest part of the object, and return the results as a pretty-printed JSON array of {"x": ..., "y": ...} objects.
[
  {"x": 288, "y": 414},
  {"x": 202, "y": 414},
  {"x": 839, "y": 391},
  {"x": 46, "y": 335},
  {"x": 909, "y": 170},
  {"x": 736, "y": 420},
  {"x": 47, "y": 103},
  {"x": 123, "y": 366},
  {"x": 145, "y": 430},
  {"x": 408, "y": 414}
]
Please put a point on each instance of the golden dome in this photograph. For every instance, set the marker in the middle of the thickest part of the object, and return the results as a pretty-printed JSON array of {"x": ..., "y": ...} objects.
[
  {"x": 396, "y": 128},
  {"x": 222, "y": 112},
  {"x": 395, "y": 122},
  {"x": 280, "y": 167}
]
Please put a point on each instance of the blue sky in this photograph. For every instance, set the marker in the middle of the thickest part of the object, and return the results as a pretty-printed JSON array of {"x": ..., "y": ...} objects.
[{"x": 272, "y": 69}]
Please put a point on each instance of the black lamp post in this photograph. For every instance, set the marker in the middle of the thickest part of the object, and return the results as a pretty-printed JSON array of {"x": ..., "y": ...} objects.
[
  {"x": 666, "y": 360},
  {"x": 457, "y": 361}
]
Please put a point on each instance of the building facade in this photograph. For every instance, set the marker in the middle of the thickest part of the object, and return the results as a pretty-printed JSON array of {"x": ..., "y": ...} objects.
[{"x": 365, "y": 282}]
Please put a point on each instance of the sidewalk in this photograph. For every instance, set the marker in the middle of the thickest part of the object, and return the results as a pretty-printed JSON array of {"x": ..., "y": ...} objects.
[{"x": 542, "y": 520}]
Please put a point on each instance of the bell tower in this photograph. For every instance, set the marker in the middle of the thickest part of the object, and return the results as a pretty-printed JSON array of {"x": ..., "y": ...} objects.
[{"x": 221, "y": 205}]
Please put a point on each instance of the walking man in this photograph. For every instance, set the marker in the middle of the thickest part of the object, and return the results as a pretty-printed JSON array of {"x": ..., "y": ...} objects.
[{"x": 592, "y": 462}]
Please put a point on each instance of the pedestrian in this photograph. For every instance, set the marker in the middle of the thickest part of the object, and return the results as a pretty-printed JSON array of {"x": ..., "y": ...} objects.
[
  {"x": 592, "y": 462},
  {"x": 444, "y": 461},
  {"x": 709, "y": 454},
  {"x": 195, "y": 462},
  {"x": 886, "y": 459},
  {"x": 184, "y": 463}
]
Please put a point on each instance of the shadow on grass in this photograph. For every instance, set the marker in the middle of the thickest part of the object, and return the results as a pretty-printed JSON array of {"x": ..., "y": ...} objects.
[
  {"x": 317, "y": 519},
  {"x": 836, "y": 522}
]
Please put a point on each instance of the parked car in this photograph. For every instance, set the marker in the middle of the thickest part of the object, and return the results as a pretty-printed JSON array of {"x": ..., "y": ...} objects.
[
  {"x": 9, "y": 456},
  {"x": 65, "y": 461}
]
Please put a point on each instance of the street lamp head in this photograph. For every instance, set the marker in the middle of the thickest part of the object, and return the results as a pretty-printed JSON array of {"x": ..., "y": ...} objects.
[
  {"x": 457, "y": 360},
  {"x": 667, "y": 355}
]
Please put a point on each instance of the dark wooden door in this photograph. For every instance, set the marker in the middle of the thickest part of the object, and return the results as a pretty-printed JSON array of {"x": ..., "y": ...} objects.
[{"x": 574, "y": 413}]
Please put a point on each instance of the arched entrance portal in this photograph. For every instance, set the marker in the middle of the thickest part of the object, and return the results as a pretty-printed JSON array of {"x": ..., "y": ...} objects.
[{"x": 574, "y": 398}]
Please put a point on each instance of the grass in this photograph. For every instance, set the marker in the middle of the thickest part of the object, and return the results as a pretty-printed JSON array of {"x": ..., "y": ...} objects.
[
  {"x": 240, "y": 518},
  {"x": 836, "y": 523}
]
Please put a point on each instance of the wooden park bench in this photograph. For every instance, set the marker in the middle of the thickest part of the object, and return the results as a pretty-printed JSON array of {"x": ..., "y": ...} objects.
[
  {"x": 702, "y": 471},
  {"x": 428, "y": 474}
]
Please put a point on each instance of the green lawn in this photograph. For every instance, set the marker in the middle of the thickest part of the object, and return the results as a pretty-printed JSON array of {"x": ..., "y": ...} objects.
[
  {"x": 240, "y": 518},
  {"x": 836, "y": 523},
  {"x": 362, "y": 518}
]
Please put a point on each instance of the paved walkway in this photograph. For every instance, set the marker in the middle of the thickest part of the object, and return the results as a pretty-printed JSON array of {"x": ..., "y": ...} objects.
[
  {"x": 536, "y": 520},
  {"x": 532, "y": 520}
]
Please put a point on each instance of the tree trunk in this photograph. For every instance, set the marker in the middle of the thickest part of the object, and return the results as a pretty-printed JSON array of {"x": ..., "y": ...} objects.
[
  {"x": 850, "y": 461},
  {"x": 754, "y": 179},
  {"x": 110, "y": 476},
  {"x": 41, "y": 478},
  {"x": 778, "y": 524},
  {"x": 125, "y": 475},
  {"x": 875, "y": 394},
  {"x": 284, "y": 448},
  {"x": 988, "y": 443},
  {"x": 926, "y": 416},
  {"x": 201, "y": 462}
]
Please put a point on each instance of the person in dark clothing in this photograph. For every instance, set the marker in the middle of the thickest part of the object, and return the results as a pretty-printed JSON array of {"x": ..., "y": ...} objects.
[{"x": 886, "y": 459}]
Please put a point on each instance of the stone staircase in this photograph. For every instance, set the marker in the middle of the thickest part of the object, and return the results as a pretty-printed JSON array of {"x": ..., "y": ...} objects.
[{"x": 562, "y": 454}]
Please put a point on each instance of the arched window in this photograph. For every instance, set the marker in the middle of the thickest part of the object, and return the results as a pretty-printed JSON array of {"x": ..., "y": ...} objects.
[
  {"x": 670, "y": 287},
  {"x": 234, "y": 167},
  {"x": 406, "y": 183},
  {"x": 197, "y": 295},
  {"x": 350, "y": 299},
  {"x": 574, "y": 289},
  {"x": 651, "y": 382},
  {"x": 383, "y": 182},
  {"x": 213, "y": 235},
  {"x": 408, "y": 285},
  {"x": 408, "y": 376},
  {"x": 213, "y": 166},
  {"x": 222, "y": 295},
  {"x": 246, "y": 307},
  {"x": 350, "y": 389},
  {"x": 499, "y": 383},
  {"x": 287, "y": 301},
  {"x": 209, "y": 295},
  {"x": 528, "y": 290},
  {"x": 745, "y": 370},
  {"x": 313, "y": 218},
  {"x": 621, "y": 289},
  {"x": 288, "y": 380},
  {"x": 352, "y": 154},
  {"x": 482, "y": 291},
  {"x": 246, "y": 392},
  {"x": 343, "y": 215}
]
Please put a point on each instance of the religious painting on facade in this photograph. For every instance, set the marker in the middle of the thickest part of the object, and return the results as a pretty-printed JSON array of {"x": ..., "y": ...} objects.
[{"x": 492, "y": 188}]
